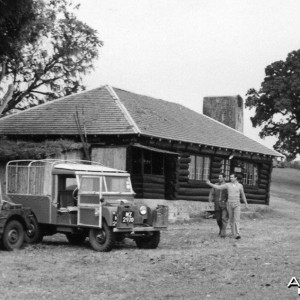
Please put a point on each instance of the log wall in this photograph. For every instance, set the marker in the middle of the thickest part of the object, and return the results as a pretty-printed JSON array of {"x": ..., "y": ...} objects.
[
  {"x": 149, "y": 186},
  {"x": 193, "y": 189},
  {"x": 260, "y": 194}
]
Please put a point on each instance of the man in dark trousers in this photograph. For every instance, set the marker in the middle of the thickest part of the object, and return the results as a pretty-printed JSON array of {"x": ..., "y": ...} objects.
[{"x": 220, "y": 197}]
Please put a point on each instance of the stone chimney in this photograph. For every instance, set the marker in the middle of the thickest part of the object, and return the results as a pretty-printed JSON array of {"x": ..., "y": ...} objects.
[{"x": 228, "y": 110}]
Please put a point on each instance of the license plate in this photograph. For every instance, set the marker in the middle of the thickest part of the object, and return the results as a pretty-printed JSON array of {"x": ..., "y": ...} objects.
[{"x": 127, "y": 217}]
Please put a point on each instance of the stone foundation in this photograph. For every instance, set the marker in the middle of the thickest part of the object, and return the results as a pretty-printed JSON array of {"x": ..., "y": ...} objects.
[{"x": 179, "y": 210}]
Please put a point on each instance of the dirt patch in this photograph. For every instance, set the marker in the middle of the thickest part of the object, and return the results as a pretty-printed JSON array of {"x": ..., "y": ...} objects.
[{"x": 192, "y": 262}]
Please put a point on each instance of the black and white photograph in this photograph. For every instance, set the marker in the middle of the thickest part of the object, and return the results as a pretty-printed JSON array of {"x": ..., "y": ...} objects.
[{"x": 149, "y": 149}]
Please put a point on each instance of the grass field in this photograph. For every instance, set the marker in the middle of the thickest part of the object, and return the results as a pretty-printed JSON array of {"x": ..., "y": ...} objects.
[{"x": 191, "y": 262}]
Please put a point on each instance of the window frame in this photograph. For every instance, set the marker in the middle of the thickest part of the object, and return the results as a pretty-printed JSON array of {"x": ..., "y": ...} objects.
[
  {"x": 199, "y": 167},
  {"x": 226, "y": 168},
  {"x": 245, "y": 166}
]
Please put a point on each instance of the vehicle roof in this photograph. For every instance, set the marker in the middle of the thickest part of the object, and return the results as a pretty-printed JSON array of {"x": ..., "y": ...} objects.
[
  {"x": 86, "y": 168},
  {"x": 67, "y": 166}
]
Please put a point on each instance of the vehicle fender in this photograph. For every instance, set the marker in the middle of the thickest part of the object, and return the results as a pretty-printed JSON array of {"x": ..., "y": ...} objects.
[
  {"x": 11, "y": 214},
  {"x": 108, "y": 213}
]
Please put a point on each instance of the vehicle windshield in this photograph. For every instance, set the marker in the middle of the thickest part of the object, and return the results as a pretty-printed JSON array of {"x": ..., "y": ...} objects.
[
  {"x": 110, "y": 184},
  {"x": 90, "y": 184},
  {"x": 117, "y": 184}
]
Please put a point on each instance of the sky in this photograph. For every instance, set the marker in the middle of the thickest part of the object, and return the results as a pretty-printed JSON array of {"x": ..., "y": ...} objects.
[{"x": 184, "y": 50}]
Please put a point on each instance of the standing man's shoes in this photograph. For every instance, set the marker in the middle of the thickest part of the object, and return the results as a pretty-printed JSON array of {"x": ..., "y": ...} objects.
[{"x": 238, "y": 237}]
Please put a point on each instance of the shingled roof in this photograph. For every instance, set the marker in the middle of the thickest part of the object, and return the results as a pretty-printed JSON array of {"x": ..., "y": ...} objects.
[{"x": 108, "y": 110}]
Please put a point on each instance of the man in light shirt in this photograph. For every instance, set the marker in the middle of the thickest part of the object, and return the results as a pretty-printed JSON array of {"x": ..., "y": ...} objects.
[{"x": 235, "y": 192}]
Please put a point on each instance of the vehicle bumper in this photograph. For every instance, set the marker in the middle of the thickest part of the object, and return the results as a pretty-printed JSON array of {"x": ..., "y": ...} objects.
[{"x": 139, "y": 229}]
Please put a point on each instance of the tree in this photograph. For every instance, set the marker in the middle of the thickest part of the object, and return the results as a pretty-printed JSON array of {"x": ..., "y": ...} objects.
[
  {"x": 16, "y": 20},
  {"x": 277, "y": 104},
  {"x": 51, "y": 64},
  {"x": 16, "y": 17}
]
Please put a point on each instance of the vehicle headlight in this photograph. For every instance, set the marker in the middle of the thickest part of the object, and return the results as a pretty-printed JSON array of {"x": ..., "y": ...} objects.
[{"x": 143, "y": 210}]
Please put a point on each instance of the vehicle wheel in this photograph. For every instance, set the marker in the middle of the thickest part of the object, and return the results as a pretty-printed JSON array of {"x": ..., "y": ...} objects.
[
  {"x": 76, "y": 238},
  {"x": 148, "y": 242},
  {"x": 102, "y": 239},
  {"x": 33, "y": 234},
  {"x": 13, "y": 235}
]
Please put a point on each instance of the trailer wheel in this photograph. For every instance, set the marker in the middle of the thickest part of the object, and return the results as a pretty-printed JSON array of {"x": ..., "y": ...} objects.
[
  {"x": 13, "y": 236},
  {"x": 148, "y": 242},
  {"x": 102, "y": 239},
  {"x": 33, "y": 234},
  {"x": 76, "y": 238}
]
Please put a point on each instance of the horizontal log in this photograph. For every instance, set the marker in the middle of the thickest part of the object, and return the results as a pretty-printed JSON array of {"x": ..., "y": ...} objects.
[
  {"x": 170, "y": 197},
  {"x": 223, "y": 152},
  {"x": 155, "y": 191},
  {"x": 153, "y": 196},
  {"x": 183, "y": 167},
  {"x": 135, "y": 178},
  {"x": 217, "y": 159},
  {"x": 215, "y": 164},
  {"x": 183, "y": 179},
  {"x": 138, "y": 194},
  {"x": 216, "y": 171},
  {"x": 193, "y": 184},
  {"x": 183, "y": 172},
  {"x": 263, "y": 176},
  {"x": 256, "y": 197},
  {"x": 263, "y": 186},
  {"x": 194, "y": 192},
  {"x": 256, "y": 191},
  {"x": 263, "y": 181},
  {"x": 184, "y": 160},
  {"x": 266, "y": 166},
  {"x": 255, "y": 201},
  {"x": 265, "y": 172},
  {"x": 154, "y": 179},
  {"x": 207, "y": 151},
  {"x": 148, "y": 185}
]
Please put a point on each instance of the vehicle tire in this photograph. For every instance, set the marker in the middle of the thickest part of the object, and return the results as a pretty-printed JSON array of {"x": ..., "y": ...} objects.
[
  {"x": 148, "y": 242},
  {"x": 33, "y": 235},
  {"x": 76, "y": 238},
  {"x": 102, "y": 239},
  {"x": 13, "y": 235}
]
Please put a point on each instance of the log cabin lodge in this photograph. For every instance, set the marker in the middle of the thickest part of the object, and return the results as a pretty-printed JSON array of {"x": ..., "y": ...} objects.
[{"x": 168, "y": 149}]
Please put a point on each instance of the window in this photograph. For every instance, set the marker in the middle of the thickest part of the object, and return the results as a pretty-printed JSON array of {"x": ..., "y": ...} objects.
[
  {"x": 250, "y": 174},
  {"x": 248, "y": 171},
  {"x": 225, "y": 168},
  {"x": 147, "y": 162},
  {"x": 199, "y": 167}
]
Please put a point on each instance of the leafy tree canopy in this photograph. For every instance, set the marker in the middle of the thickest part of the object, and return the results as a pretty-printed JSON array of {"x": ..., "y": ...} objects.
[
  {"x": 277, "y": 104},
  {"x": 59, "y": 49},
  {"x": 16, "y": 19}
]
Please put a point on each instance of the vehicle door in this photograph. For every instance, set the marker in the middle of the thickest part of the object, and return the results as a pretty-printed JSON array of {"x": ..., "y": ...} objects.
[{"x": 89, "y": 204}]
